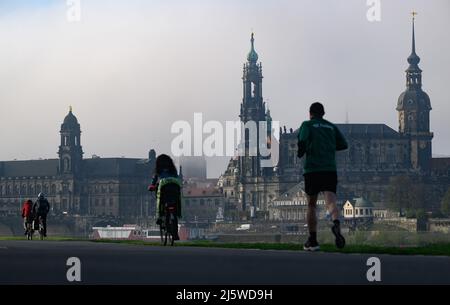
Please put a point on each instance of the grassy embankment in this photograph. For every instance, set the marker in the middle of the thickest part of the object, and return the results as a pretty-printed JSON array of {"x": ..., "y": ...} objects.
[{"x": 430, "y": 249}]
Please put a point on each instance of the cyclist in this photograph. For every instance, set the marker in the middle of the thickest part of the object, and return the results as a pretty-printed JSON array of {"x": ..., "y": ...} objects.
[
  {"x": 40, "y": 209},
  {"x": 167, "y": 185},
  {"x": 27, "y": 215}
]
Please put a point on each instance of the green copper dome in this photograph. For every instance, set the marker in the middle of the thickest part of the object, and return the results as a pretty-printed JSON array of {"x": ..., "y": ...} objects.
[{"x": 252, "y": 55}]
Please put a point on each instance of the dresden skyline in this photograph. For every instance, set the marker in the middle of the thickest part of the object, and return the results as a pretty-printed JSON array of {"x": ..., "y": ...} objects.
[{"x": 131, "y": 69}]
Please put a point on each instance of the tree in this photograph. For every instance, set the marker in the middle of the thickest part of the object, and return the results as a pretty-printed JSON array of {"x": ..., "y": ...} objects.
[
  {"x": 406, "y": 194},
  {"x": 445, "y": 203}
]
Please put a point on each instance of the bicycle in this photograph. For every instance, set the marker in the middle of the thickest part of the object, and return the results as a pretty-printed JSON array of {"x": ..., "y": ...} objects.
[
  {"x": 39, "y": 226},
  {"x": 29, "y": 230},
  {"x": 168, "y": 226}
]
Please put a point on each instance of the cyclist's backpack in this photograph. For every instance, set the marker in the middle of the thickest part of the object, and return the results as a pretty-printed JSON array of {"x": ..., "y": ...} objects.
[{"x": 42, "y": 206}]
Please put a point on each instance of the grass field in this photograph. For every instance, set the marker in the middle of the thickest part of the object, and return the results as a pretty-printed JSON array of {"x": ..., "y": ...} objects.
[{"x": 442, "y": 249}]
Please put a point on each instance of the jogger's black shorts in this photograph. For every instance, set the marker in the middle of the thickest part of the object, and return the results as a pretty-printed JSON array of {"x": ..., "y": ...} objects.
[{"x": 320, "y": 182}]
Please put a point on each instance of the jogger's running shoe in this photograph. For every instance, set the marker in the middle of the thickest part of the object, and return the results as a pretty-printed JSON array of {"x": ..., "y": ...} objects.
[
  {"x": 311, "y": 245},
  {"x": 340, "y": 240}
]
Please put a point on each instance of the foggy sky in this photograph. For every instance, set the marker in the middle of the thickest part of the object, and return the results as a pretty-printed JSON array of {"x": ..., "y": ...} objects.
[{"x": 131, "y": 68}]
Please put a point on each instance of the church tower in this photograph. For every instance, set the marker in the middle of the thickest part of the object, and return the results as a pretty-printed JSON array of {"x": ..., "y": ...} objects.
[
  {"x": 254, "y": 156},
  {"x": 414, "y": 113},
  {"x": 70, "y": 151},
  {"x": 253, "y": 113}
]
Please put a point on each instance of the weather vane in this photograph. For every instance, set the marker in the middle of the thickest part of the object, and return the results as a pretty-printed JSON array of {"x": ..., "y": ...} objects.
[{"x": 414, "y": 14}]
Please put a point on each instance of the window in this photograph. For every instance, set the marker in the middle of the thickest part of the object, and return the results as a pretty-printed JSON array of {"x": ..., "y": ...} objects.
[
  {"x": 66, "y": 164},
  {"x": 103, "y": 202},
  {"x": 202, "y": 202},
  {"x": 356, "y": 211},
  {"x": 367, "y": 211},
  {"x": 111, "y": 202}
]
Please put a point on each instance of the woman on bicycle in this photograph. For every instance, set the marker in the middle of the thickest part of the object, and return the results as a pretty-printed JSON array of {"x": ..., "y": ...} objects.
[{"x": 167, "y": 185}]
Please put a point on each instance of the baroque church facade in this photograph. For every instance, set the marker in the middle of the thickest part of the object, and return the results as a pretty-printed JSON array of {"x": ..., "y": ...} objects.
[
  {"x": 376, "y": 151},
  {"x": 112, "y": 187}
]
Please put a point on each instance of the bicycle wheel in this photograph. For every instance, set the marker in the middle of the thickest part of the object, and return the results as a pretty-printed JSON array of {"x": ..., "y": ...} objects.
[
  {"x": 41, "y": 232},
  {"x": 30, "y": 234},
  {"x": 165, "y": 237},
  {"x": 161, "y": 232},
  {"x": 172, "y": 239}
]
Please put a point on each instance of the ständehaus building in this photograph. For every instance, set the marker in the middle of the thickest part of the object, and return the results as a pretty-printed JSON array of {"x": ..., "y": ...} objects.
[
  {"x": 75, "y": 185},
  {"x": 376, "y": 152}
]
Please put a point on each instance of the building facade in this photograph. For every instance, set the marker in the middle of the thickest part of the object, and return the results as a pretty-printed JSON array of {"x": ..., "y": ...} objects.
[
  {"x": 376, "y": 152},
  {"x": 77, "y": 186}
]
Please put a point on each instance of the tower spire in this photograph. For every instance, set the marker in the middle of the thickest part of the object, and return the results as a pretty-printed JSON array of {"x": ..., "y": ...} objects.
[
  {"x": 252, "y": 56},
  {"x": 413, "y": 73},
  {"x": 413, "y": 32}
]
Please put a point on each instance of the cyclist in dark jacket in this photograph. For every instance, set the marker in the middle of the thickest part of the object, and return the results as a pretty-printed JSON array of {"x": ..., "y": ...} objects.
[
  {"x": 167, "y": 184},
  {"x": 40, "y": 209}
]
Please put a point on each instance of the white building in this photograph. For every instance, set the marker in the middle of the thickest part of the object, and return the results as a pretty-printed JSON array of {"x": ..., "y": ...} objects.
[
  {"x": 359, "y": 209},
  {"x": 292, "y": 205}
]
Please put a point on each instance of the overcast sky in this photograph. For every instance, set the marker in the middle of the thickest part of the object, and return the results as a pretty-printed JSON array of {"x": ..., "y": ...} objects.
[{"x": 131, "y": 68}]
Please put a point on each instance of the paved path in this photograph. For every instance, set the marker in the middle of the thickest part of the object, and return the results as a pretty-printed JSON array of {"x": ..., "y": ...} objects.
[{"x": 44, "y": 262}]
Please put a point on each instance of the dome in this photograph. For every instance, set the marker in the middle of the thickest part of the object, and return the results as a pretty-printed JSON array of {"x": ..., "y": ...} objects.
[
  {"x": 362, "y": 203},
  {"x": 412, "y": 99},
  {"x": 70, "y": 121},
  {"x": 252, "y": 55}
]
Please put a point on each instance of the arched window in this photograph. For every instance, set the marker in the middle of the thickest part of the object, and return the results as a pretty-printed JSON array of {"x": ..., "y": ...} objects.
[
  {"x": 76, "y": 141},
  {"x": 53, "y": 189},
  {"x": 66, "y": 164}
]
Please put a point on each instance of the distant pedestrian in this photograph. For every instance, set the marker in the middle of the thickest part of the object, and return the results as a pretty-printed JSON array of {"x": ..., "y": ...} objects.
[{"x": 319, "y": 140}]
